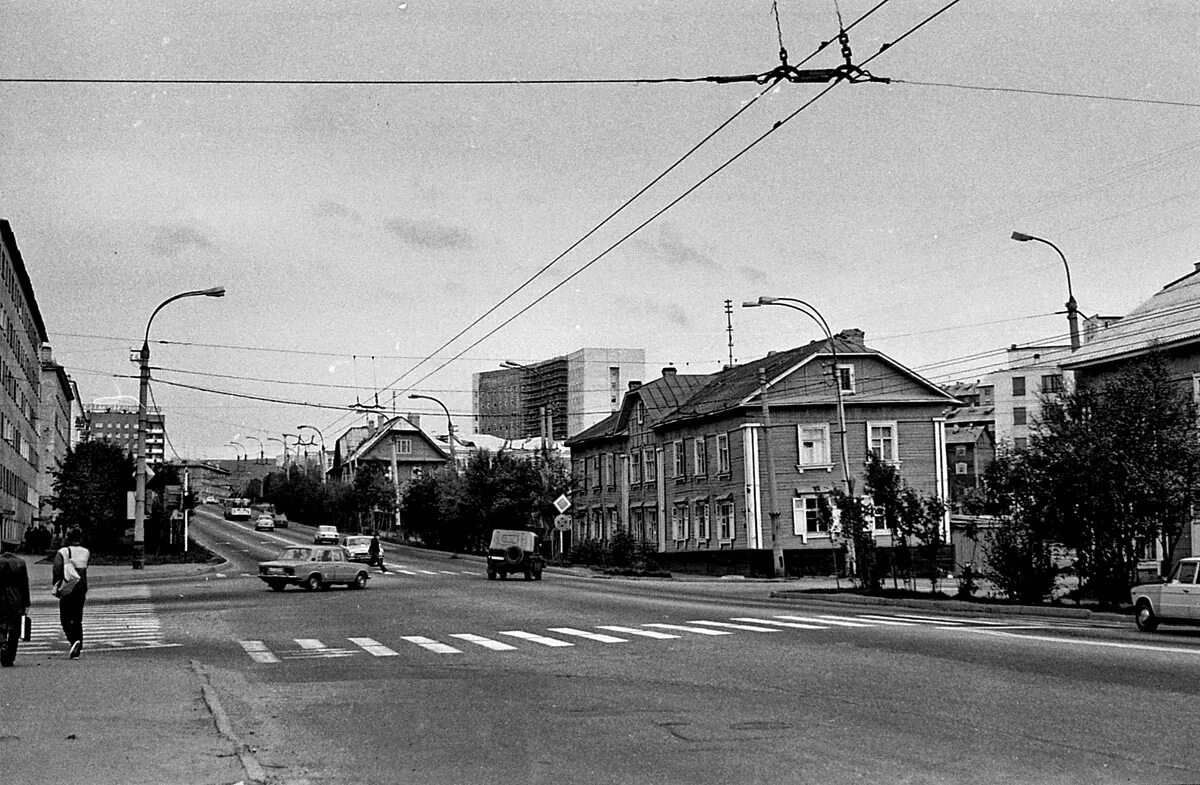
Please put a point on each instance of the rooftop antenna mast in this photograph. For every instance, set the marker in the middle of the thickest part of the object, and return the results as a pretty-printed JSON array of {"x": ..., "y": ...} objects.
[{"x": 729, "y": 328}]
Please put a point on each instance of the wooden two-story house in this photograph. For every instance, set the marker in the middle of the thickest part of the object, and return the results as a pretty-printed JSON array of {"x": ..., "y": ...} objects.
[{"x": 683, "y": 464}]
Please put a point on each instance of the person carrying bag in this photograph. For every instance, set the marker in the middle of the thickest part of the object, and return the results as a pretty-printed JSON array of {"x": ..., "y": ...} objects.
[
  {"x": 70, "y": 586},
  {"x": 14, "y": 603}
]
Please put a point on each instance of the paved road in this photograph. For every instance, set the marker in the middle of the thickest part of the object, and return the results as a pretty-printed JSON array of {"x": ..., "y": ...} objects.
[{"x": 436, "y": 675}]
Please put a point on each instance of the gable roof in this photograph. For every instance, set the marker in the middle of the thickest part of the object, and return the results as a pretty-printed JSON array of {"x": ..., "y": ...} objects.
[
  {"x": 394, "y": 425},
  {"x": 660, "y": 397},
  {"x": 1169, "y": 318}
]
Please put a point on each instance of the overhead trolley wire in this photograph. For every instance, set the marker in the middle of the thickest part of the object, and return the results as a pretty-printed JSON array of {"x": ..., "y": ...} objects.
[{"x": 1051, "y": 93}]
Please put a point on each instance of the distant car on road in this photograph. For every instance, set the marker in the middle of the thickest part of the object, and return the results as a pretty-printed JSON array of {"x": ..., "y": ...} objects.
[
  {"x": 264, "y": 523},
  {"x": 281, "y": 520},
  {"x": 312, "y": 567},
  {"x": 210, "y": 499},
  {"x": 514, "y": 551},
  {"x": 1177, "y": 601},
  {"x": 359, "y": 547},
  {"x": 326, "y": 535}
]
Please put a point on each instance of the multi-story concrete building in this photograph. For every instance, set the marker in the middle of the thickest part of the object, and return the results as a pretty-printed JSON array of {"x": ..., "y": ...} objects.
[
  {"x": 21, "y": 372},
  {"x": 118, "y": 423},
  {"x": 54, "y": 429},
  {"x": 555, "y": 398}
]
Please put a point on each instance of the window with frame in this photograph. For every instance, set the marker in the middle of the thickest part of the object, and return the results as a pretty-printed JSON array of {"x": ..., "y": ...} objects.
[
  {"x": 596, "y": 481},
  {"x": 722, "y": 453},
  {"x": 1020, "y": 442},
  {"x": 881, "y": 439},
  {"x": 635, "y": 467},
  {"x": 679, "y": 521},
  {"x": 1020, "y": 415},
  {"x": 581, "y": 474},
  {"x": 1018, "y": 385},
  {"x": 961, "y": 468},
  {"x": 845, "y": 377},
  {"x": 876, "y": 521},
  {"x": 725, "y": 520},
  {"x": 700, "y": 520},
  {"x": 1052, "y": 383},
  {"x": 651, "y": 524},
  {"x": 637, "y": 523},
  {"x": 678, "y": 459},
  {"x": 700, "y": 456},
  {"x": 614, "y": 521},
  {"x": 610, "y": 469},
  {"x": 640, "y": 411},
  {"x": 598, "y": 524},
  {"x": 813, "y": 444},
  {"x": 806, "y": 517},
  {"x": 649, "y": 465}
]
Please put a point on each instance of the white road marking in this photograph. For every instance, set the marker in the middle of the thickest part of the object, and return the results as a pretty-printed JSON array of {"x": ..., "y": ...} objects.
[
  {"x": 479, "y": 640},
  {"x": 636, "y": 631},
  {"x": 431, "y": 644},
  {"x": 792, "y": 624},
  {"x": 374, "y": 647},
  {"x": 427, "y": 572},
  {"x": 533, "y": 638},
  {"x": 728, "y": 625},
  {"x": 928, "y": 620},
  {"x": 835, "y": 621},
  {"x": 591, "y": 636},
  {"x": 258, "y": 651},
  {"x": 447, "y": 572},
  {"x": 887, "y": 620},
  {"x": 682, "y": 628},
  {"x": 1083, "y": 642},
  {"x": 406, "y": 572}
]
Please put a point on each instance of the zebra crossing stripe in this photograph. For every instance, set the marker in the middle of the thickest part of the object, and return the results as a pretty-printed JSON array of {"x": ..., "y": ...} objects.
[
  {"x": 311, "y": 647},
  {"x": 374, "y": 647},
  {"x": 479, "y": 640},
  {"x": 697, "y": 630},
  {"x": 928, "y": 620},
  {"x": 258, "y": 651},
  {"x": 431, "y": 644},
  {"x": 795, "y": 625},
  {"x": 591, "y": 636},
  {"x": 427, "y": 572},
  {"x": 534, "y": 638},
  {"x": 835, "y": 621},
  {"x": 725, "y": 624},
  {"x": 888, "y": 620},
  {"x": 636, "y": 631}
]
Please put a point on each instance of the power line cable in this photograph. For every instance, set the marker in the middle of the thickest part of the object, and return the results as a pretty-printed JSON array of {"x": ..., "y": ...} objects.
[{"x": 1051, "y": 93}]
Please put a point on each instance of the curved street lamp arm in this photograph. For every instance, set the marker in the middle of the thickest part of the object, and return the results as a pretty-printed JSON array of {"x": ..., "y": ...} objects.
[
  {"x": 1021, "y": 237},
  {"x": 216, "y": 291}
]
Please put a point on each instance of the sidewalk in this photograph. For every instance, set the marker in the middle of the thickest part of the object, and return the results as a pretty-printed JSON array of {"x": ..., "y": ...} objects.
[{"x": 112, "y": 720}]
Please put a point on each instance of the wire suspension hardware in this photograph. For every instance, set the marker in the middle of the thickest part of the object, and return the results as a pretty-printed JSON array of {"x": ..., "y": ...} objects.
[{"x": 784, "y": 72}]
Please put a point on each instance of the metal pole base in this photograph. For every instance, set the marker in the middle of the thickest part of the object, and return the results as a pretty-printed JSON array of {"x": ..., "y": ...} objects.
[{"x": 139, "y": 555}]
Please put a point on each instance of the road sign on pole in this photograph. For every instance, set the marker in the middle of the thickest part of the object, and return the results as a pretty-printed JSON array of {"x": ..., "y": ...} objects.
[
  {"x": 562, "y": 522},
  {"x": 562, "y": 503}
]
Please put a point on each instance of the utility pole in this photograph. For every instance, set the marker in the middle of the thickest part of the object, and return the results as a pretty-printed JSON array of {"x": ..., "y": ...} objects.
[
  {"x": 729, "y": 328},
  {"x": 772, "y": 494}
]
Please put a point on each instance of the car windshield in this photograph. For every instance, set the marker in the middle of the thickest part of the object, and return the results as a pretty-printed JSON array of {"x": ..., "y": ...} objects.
[
  {"x": 296, "y": 554},
  {"x": 358, "y": 541}
]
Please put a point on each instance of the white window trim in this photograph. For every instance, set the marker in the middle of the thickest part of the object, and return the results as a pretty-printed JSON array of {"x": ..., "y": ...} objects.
[
  {"x": 827, "y": 465},
  {"x": 732, "y": 522},
  {"x": 894, "y": 458},
  {"x": 706, "y": 534},
  {"x": 723, "y": 471},
  {"x": 800, "y": 521},
  {"x": 699, "y": 450},
  {"x": 678, "y": 460},
  {"x": 838, "y": 377}
]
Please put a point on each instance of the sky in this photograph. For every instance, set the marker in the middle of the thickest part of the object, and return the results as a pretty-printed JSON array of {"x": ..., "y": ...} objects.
[{"x": 359, "y": 228}]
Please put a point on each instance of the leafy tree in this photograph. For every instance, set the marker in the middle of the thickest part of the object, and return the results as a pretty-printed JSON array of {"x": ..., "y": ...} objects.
[
  {"x": 1109, "y": 470},
  {"x": 1018, "y": 547},
  {"x": 90, "y": 491},
  {"x": 372, "y": 491}
]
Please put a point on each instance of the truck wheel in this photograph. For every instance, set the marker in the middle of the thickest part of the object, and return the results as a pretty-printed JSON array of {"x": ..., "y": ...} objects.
[{"x": 1144, "y": 617}]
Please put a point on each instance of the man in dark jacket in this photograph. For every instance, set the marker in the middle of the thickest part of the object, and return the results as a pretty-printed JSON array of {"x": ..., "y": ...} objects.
[{"x": 14, "y": 602}]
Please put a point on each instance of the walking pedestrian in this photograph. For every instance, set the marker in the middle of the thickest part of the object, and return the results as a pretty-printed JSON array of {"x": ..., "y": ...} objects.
[
  {"x": 14, "y": 603},
  {"x": 375, "y": 552},
  {"x": 70, "y": 600}
]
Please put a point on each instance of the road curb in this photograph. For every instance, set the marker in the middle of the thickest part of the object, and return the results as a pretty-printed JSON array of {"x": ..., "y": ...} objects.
[
  {"x": 250, "y": 765},
  {"x": 953, "y": 606}
]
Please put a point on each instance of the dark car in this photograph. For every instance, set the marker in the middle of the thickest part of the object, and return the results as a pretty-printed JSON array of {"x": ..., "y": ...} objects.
[
  {"x": 513, "y": 551},
  {"x": 312, "y": 567}
]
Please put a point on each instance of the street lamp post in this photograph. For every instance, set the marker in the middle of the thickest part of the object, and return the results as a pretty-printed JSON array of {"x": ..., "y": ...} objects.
[
  {"x": 812, "y": 313},
  {"x": 284, "y": 443},
  {"x": 1072, "y": 307},
  {"x": 236, "y": 456},
  {"x": 322, "y": 436},
  {"x": 449, "y": 427},
  {"x": 296, "y": 459},
  {"x": 143, "y": 357},
  {"x": 261, "y": 455}
]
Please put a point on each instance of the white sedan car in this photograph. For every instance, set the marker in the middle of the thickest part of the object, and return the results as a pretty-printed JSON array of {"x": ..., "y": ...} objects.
[{"x": 1177, "y": 601}]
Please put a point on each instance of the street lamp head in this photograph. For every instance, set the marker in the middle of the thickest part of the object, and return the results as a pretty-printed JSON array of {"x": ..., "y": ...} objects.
[
  {"x": 511, "y": 364},
  {"x": 1021, "y": 237},
  {"x": 751, "y": 304}
]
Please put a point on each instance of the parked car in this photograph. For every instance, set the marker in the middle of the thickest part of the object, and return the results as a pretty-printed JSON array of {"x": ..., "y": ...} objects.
[
  {"x": 264, "y": 523},
  {"x": 312, "y": 567},
  {"x": 281, "y": 520},
  {"x": 1176, "y": 601},
  {"x": 513, "y": 551},
  {"x": 359, "y": 547},
  {"x": 327, "y": 535}
]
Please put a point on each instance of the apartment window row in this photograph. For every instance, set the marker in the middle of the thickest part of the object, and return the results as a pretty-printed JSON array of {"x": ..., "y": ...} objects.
[
  {"x": 697, "y": 519},
  {"x": 809, "y": 520}
]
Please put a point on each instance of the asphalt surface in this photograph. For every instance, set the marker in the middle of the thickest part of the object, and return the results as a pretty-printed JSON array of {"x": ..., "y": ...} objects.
[{"x": 435, "y": 675}]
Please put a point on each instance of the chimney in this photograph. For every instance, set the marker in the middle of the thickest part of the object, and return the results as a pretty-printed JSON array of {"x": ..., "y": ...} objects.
[
  {"x": 853, "y": 335},
  {"x": 414, "y": 418},
  {"x": 634, "y": 384},
  {"x": 667, "y": 372}
]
